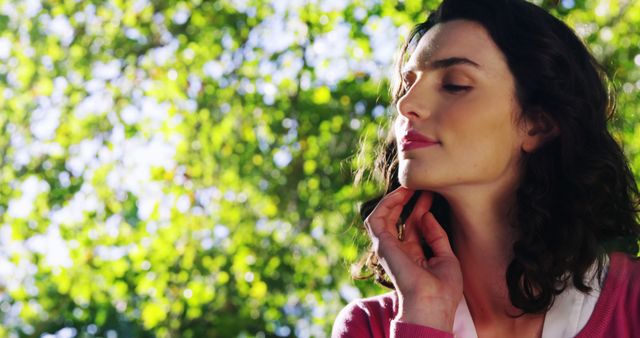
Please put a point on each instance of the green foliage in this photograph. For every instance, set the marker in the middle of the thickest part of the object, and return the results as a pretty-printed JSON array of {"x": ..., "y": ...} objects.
[{"x": 184, "y": 169}]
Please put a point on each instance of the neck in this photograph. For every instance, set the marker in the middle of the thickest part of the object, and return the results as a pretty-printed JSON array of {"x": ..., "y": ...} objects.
[{"x": 483, "y": 237}]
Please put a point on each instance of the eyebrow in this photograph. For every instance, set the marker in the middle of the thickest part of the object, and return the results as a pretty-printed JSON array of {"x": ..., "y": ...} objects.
[{"x": 446, "y": 63}]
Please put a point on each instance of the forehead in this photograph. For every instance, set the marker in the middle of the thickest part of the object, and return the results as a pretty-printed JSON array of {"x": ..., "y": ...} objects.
[{"x": 458, "y": 38}]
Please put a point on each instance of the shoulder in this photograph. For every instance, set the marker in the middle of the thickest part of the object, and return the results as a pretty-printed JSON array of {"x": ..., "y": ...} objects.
[
  {"x": 624, "y": 269},
  {"x": 367, "y": 317},
  {"x": 618, "y": 306},
  {"x": 622, "y": 281}
]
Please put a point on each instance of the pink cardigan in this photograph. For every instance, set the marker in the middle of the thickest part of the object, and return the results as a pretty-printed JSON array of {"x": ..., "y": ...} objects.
[{"x": 616, "y": 314}]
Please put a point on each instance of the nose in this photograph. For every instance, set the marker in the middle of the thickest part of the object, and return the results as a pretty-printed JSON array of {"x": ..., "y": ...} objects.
[{"x": 415, "y": 103}]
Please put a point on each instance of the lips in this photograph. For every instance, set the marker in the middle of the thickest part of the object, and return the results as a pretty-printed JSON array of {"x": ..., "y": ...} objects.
[{"x": 414, "y": 140}]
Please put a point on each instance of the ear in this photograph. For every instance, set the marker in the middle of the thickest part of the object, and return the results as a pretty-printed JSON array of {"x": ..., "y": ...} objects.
[{"x": 538, "y": 131}]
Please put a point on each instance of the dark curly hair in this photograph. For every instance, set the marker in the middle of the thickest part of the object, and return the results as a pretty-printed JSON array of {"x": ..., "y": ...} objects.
[{"x": 577, "y": 199}]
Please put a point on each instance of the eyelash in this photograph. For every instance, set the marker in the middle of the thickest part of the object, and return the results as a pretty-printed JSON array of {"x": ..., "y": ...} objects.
[{"x": 451, "y": 88}]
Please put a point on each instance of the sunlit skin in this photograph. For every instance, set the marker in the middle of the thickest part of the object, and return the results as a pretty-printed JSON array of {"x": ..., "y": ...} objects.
[
  {"x": 460, "y": 93},
  {"x": 466, "y": 141}
]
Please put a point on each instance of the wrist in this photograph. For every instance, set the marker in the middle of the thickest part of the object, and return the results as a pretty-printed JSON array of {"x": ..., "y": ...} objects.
[{"x": 427, "y": 313}]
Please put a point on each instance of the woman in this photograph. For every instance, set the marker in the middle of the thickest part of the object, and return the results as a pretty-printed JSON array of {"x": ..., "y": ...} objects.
[{"x": 513, "y": 199}]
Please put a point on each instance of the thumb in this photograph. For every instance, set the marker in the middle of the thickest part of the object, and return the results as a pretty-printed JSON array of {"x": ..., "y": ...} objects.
[{"x": 435, "y": 236}]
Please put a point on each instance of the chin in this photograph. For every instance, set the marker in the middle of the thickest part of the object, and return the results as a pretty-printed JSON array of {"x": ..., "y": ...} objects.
[
  {"x": 417, "y": 178},
  {"x": 411, "y": 183},
  {"x": 411, "y": 180}
]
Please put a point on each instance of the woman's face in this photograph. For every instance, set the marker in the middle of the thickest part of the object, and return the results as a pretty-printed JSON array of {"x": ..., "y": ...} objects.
[{"x": 457, "y": 120}]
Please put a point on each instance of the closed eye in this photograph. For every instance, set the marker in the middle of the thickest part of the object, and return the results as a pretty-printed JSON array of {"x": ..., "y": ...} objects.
[{"x": 454, "y": 89}]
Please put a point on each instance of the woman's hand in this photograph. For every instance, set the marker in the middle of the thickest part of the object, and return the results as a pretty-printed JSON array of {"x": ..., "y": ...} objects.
[{"x": 428, "y": 290}]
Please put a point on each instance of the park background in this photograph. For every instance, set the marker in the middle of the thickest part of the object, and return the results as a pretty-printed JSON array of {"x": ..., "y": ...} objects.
[{"x": 185, "y": 168}]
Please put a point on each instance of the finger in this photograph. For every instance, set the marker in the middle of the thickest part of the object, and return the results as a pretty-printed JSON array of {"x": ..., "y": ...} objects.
[
  {"x": 435, "y": 236},
  {"x": 421, "y": 207},
  {"x": 385, "y": 215},
  {"x": 423, "y": 204},
  {"x": 399, "y": 259}
]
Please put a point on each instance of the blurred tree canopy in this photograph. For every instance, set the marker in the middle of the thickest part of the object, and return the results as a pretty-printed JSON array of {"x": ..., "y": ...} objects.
[{"x": 184, "y": 168}]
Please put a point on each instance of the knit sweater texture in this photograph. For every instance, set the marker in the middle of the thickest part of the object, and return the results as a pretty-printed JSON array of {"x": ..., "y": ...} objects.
[{"x": 616, "y": 314}]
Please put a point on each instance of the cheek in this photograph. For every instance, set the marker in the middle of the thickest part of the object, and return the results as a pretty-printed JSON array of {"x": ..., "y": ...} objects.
[
  {"x": 482, "y": 118},
  {"x": 481, "y": 131}
]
